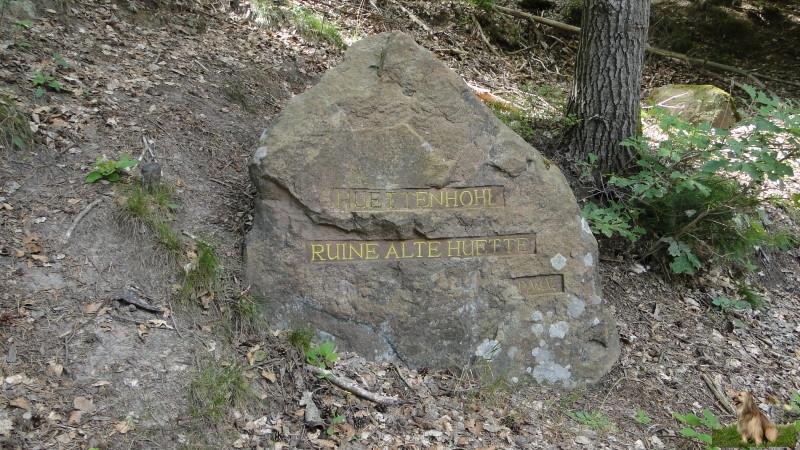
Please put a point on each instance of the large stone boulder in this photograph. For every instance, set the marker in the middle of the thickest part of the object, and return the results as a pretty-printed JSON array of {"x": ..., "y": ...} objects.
[
  {"x": 400, "y": 218},
  {"x": 697, "y": 103}
]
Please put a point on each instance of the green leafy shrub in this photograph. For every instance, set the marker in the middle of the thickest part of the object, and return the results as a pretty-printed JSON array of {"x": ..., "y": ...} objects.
[
  {"x": 109, "y": 169},
  {"x": 708, "y": 419},
  {"x": 696, "y": 196},
  {"x": 323, "y": 356}
]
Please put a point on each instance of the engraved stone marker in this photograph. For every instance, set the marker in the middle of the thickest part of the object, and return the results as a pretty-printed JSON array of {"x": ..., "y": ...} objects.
[{"x": 399, "y": 217}]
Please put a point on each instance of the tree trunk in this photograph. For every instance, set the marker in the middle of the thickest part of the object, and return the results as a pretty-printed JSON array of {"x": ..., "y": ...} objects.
[{"x": 605, "y": 93}]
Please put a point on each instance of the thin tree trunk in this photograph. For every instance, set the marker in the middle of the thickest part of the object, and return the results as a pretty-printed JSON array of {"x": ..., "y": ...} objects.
[{"x": 606, "y": 88}]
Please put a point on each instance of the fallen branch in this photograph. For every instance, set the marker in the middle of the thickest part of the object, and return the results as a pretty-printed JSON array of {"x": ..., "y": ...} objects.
[
  {"x": 703, "y": 62},
  {"x": 415, "y": 19},
  {"x": 351, "y": 386},
  {"x": 715, "y": 390},
  {"x": 483, "y": 37},
  {"x": 649, "y": 49},
  {"x": 81, "y": 216}
]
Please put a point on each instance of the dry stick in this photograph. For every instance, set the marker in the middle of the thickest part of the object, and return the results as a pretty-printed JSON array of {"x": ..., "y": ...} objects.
[
  {"x": 351, "y": 386},
  {"x": 415, "y": 18},
  {"x": 81, "y": 216},
  {"x": 720, "y": 398},
  {"x": 483, "y": 36},
  {"x": 649, "y": 49}
]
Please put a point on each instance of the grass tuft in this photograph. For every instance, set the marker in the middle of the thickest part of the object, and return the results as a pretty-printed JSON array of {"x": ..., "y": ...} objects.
[
  {"x": 300, "y": 338},
  {"x": 307, "y": 22},
  {"x": 14, "y": 129},
  {"x": 218, "y": 387}
]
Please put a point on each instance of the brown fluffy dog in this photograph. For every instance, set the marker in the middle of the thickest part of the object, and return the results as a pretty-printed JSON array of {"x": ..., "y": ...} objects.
[{"x": 752, "y": 423}]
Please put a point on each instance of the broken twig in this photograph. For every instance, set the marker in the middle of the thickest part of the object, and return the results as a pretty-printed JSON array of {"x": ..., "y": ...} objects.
[
  {"x": 715, "y": 390},
  {"x": 80, "y": 217},
  {"x": 351, "y": 386}
]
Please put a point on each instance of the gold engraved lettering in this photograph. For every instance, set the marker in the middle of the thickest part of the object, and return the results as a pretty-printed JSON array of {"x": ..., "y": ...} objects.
[
  {"x": 451, "y": 248},
  {"x": 471, "y": 247},
  {"x": 392, "y": 251},
  {"x": 356, "y": 252},
  {"x": 374, "y": 200},
  {"x": 448, "y": 198},
  {"x": 428, "y": 198},
  {"x": 371, "y": 250},
  {"x": 422, "y": 197},
  {"x": 439, "y": 200},
  {"x": 355, "y": 200},
  {"x": 467, "y": 202},
  {"x": 316, "y": 252}
]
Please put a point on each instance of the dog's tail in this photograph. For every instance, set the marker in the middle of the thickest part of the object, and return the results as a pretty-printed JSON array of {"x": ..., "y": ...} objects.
[{"x": 771, "y": 432}]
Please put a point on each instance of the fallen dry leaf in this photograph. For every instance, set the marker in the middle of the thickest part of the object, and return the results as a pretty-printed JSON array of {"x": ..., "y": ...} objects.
[
  {"x": 83, "y": 403},
  {"x": 142, "y": 330},
  {"x": 20, "y": 402},
  {"x": 54, "y": 369},
  {"x": 269, "y": 376},
  {"x": 92, "y": 308},
  {"x": 75, "y": 416},
  {"x": 250, "y": 354},
  {"x": 123, "y": 427},
  {"x": 158, "y": 323}
]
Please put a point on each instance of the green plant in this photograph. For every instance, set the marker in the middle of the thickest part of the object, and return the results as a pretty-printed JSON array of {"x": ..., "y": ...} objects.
[
  {"x": 41, "y": 81},
  {"x": 219, "y": 386},
  {"x": 485, "y": 5},
  {"x": 708, "y": 419},
  {"x": 308, "y": 23},
  {"x": 322, "y": 356},
  {"x": 14, "y": 129},
  {"x": 515, "y": 118},
  {"x": 60, "y": 62},
  {"x": 696, "y": 194},
  {"x": 335, "y": 421},
  {"x": 726, "y": 304},
  {"x": 153, "y": 210},
  {"x": 110, "y": 169},
  {"x": 236, "y": 93},
  {"x": 641, "y": 417},
  {"x": 300, "y": 338},
  {"x": 245, "y": 311},
  {"x": 20, "y": 24},
  {"x": 593, "y": 420},
  {"x": 201, "y": 275},
  {"x": 730, "y": 437},
  {"x": 311, "y": 24}
]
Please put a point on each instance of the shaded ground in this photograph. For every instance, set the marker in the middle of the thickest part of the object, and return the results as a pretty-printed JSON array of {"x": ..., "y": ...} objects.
[{"x": 82, "y": 369}]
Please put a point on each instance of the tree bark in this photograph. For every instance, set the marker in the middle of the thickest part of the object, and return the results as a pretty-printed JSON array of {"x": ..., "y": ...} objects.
[{"x": 606, "y": 88}]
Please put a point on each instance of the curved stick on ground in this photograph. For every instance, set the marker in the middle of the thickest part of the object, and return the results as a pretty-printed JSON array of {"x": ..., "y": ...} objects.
[
  {"x": 80, "y": 217},
  {"x": 351, "y": 386}
]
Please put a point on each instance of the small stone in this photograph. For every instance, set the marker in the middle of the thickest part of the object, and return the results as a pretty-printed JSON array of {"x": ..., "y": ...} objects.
[{"x": 656, "y": 442}]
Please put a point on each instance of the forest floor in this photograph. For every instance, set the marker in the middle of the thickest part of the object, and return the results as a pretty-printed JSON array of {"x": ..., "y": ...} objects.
[{"x": 84, "y": 368}]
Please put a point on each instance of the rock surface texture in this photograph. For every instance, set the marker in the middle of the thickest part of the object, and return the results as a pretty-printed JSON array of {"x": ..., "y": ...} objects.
[
  {"x": 398, "y": 217},
  {"x": 697, "y": 103}
]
